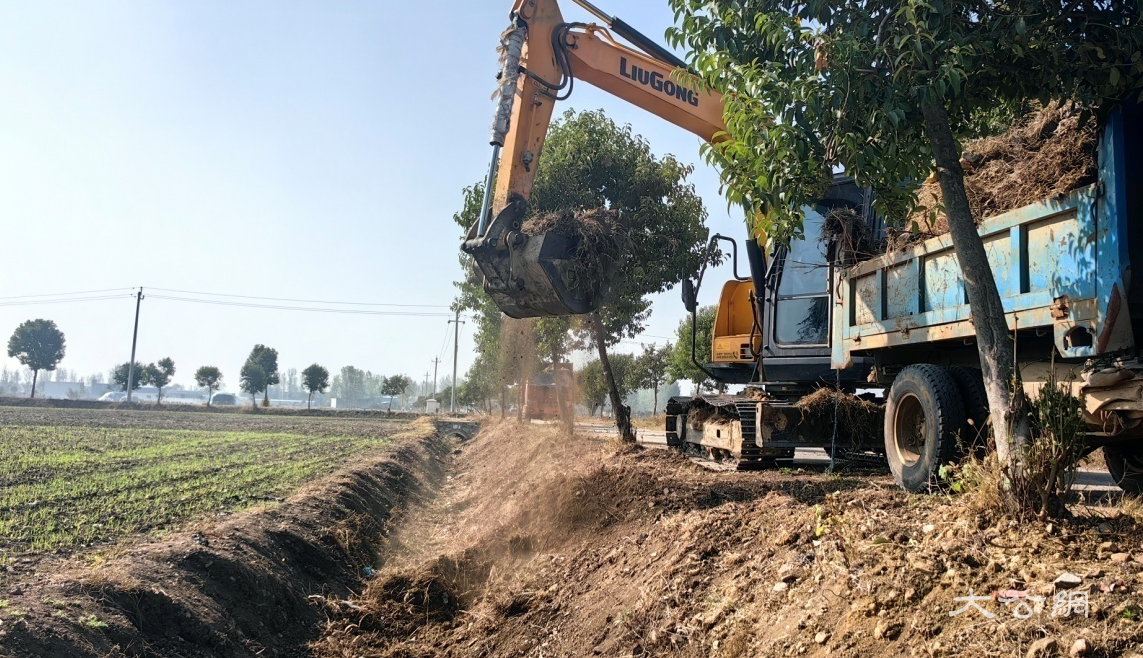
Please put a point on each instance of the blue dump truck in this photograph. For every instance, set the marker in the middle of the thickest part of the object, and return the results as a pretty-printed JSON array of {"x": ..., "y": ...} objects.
[{"x": 900, "y": 322}]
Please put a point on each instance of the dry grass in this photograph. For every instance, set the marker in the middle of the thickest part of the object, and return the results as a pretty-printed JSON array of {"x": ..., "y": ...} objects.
[
  {"x": 599, "y": 237},
  {"x": 860, "y": 422},
  {"x": 656, "y": 422},
  {"x": 1045, "y": 155}
]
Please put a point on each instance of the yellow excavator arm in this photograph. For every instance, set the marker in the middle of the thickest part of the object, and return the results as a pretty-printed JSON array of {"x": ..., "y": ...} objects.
[{"x": 542, "y": 57}]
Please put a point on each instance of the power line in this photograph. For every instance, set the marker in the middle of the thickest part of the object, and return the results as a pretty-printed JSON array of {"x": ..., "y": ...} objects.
[
  {"x": 302, "y": 301},
  {"x": 68, "y": 294},
  {"x": 444, "y": 341},
  {"x": 310, "y": 309},
  {"x": 64, "y": 301}
]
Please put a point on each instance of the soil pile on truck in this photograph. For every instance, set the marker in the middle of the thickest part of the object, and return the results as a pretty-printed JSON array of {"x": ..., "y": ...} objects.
[{"x": 1044, "y": 155}]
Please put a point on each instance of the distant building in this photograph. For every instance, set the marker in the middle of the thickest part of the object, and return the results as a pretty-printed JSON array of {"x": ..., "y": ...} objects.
[
  {"x": 377, "y": 402},
  {"x": 71, "y": 390},
  {"x": 151, "y": 394}
]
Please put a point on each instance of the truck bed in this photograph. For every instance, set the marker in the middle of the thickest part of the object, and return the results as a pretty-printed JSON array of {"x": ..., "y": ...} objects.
[{"x": 1059, "y": 266}]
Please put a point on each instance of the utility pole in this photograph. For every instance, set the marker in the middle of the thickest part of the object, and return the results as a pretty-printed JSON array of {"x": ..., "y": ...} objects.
[
  {"x": 426, "y": 386},
  {"x": 134, "y": 339},
  {"x": 436, "y": 362},
  {"x": 455, "y": 350}
]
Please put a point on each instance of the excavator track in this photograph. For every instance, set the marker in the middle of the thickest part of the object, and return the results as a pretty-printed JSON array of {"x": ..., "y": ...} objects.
[{"x": 733, "y": 421}]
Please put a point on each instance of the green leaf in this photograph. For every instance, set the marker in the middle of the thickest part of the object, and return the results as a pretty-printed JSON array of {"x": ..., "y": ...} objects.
[{"x": 954, "y": 80}]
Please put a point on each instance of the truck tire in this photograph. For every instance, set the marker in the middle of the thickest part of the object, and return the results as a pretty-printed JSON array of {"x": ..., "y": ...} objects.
[
  {"x": 1125, "y": 463},
  {"x": 970, "y": 385},
  {"x": 923, "y": 418}
]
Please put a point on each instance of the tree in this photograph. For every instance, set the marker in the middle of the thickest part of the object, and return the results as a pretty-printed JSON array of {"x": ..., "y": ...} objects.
[
  {"x": 121, "y": 373},
  {"x": 881, "y": 89},
  {"x": 291, "y": 384},
  {"x": 158, "y": 375},
  {"x": 395, "y": 385},
  {"x": 208, "y": 377},
  {"x": 349, "y": 385},
  {"x": 471, "y": 394},
  {"x": 591, "y": 162},
  {"x": 253, "y": 380},
  {"x": 267, "y": 358},
  {"x": 595, "y": 388},
  {"x": 315, "y": 379},
  {"x": 592, "y": 387},
  {"x": 39, "y": 345},
  {"x": 679, "y": 362},
  {"x": 650, "y": 371}
]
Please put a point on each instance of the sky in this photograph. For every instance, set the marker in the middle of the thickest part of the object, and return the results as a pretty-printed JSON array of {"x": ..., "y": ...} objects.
[{"x": 289, "y": 150}]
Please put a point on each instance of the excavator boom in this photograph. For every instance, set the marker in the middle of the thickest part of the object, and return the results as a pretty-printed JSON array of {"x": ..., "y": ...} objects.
[{"x": 542, "y": 57}]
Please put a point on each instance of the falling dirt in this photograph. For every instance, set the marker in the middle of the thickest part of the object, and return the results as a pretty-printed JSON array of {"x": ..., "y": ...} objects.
[
  {"x": 518, "y": 360},
  {"x": 544, "y": 546}
]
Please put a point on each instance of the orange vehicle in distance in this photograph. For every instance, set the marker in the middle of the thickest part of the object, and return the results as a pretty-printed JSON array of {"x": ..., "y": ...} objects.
[{"x": 540, "y": 393}]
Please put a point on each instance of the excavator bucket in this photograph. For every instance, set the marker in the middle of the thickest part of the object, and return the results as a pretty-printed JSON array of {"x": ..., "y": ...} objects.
[{"x": 544, "y": 274}]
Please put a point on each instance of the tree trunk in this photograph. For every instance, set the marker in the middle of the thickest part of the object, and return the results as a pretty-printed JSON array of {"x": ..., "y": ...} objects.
[
  {"x": 266, "y": 399},
  {"x": 309, "y": 400},
  {"x": 35, "y": 376},
  {"x": 566, "y": 410},
  {"x": 655, "y": 404},
  {"x": 1010, "y": 423},
  {"x": 622, "y": 411}
]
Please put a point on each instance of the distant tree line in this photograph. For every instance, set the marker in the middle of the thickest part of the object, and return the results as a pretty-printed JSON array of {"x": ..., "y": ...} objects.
[{"x": 39, "y": 346}]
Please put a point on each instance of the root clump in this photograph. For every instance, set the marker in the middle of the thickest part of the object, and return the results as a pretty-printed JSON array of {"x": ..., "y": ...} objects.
[{"x": 1045, "y": 155}]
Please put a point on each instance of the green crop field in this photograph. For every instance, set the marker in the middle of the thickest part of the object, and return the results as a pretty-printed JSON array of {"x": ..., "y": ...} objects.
[{"x": 75, "y": 478}]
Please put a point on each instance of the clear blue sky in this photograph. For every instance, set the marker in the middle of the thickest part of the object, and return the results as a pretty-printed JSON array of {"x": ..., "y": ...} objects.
[{"x": 310, "y": 150}]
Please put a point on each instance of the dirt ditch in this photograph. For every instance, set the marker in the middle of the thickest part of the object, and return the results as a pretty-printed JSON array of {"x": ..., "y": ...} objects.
[
  {"x": 249, "y": 586},
  {"x": 541, "y": 546},
  {"x": 523, "y": 543}
]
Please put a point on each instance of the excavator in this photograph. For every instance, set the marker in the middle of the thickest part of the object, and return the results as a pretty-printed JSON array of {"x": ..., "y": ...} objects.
[
  {"x": 785, "y": 296},
  {"x": 832, "y": 311}
]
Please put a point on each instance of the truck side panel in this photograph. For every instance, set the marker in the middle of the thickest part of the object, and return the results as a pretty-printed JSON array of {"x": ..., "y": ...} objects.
[{"x": 1058, "y": 264}]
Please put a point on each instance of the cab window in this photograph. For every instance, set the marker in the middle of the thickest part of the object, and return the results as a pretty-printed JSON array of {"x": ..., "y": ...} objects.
[{"x": 802, "y": 313}]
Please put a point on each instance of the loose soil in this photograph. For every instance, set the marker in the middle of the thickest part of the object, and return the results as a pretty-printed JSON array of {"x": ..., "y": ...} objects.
[
  {"x": 542, "y": 546},
  {"x": 529, "y": 544}
]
